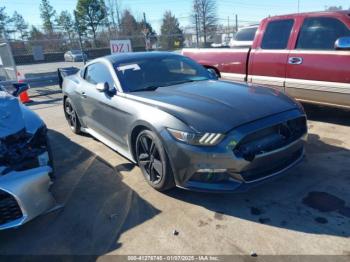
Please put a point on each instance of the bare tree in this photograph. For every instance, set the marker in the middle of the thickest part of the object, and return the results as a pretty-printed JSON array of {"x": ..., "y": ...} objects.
[
  {"x": 114, "y": 10},
  {"x": 334, "y": 8},
  {"x": 205, "y": 11}
]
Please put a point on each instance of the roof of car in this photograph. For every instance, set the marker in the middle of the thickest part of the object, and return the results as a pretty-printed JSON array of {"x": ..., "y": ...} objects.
[
  {"x": 125, "y": 57},
  {"x": 322, "y": 13}
]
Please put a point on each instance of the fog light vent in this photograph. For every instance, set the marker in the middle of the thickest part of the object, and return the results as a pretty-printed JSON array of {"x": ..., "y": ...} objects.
[{"x": 9, "y": 208}]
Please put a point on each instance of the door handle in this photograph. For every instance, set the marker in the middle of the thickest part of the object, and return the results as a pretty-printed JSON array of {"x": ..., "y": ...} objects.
[
  {"x": 295, "y": 60},
  {"x": 83, "y": 94}
]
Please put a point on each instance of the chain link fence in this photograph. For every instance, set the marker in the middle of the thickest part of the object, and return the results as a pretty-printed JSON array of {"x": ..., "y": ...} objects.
[
  {"x": 38, "y": 60},
  {"x": 52, "y": 49}
]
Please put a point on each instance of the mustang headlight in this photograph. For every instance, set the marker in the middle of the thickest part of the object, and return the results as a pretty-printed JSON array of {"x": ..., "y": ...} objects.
[{"x": 201, "y": 139}]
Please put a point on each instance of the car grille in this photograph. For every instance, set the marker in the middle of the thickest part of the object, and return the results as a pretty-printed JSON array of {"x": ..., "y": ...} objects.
[
  {"x": 271, "y": 138},
  {"x": 271, "y": 168},
  {"x": 9, "y": 208}
]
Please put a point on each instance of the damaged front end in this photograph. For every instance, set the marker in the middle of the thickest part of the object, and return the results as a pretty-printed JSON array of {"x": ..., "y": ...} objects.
[
  {"x": 23, "y": 151},
  {"x": 26, "y": 169}
]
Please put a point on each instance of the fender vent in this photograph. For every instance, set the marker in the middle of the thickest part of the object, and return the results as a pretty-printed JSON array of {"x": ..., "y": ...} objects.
[{"x": 9, "y": 208}]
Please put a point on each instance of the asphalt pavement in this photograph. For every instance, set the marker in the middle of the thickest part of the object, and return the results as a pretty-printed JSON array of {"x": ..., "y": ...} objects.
[{"x": 110, "y": 209}]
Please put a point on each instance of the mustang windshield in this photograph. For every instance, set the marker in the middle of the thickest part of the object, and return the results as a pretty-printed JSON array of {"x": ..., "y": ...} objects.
[{"x": 149, "y": 74}]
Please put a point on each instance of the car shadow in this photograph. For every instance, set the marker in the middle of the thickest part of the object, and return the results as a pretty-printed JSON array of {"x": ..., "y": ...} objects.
[
  {"x": 46, "y": 102},
  {"x": 327, "y": 114},
  {"x": 314, "y": 197},
  {"x": 98, "y": 208}
]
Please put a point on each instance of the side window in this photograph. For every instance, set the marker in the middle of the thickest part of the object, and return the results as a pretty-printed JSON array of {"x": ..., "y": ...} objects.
[
  {"x": 320, "y": 33},
  {"x": 98, "y": 73},
  {"x": 277, "y": 34},
  {"x": 246, "y": 34}
]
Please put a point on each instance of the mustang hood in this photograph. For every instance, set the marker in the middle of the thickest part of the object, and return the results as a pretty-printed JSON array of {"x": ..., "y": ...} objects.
[
  {"x": 217, "y": 106},
  {"x": 15, "y": 117}
]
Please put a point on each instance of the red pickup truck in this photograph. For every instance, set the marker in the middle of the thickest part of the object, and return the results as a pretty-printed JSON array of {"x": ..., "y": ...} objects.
[{"x": 306, "y": 55}]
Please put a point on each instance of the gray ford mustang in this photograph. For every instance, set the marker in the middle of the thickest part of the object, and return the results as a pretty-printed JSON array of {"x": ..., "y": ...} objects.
[{"x": 181, "y": 125}]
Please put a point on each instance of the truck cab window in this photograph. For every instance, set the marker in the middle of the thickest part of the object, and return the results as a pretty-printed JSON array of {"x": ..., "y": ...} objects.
[
  {"x": 320, "y": 33},
  {"x": 277, "y": 34}
]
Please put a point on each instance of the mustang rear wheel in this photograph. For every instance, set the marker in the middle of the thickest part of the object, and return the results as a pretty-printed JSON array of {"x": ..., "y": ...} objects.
[
  {"x": 153, "y": 161},
  {"x": 71, "y": 116}
]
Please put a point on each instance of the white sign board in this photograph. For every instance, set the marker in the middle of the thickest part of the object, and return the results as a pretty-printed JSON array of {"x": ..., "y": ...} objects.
[
  {"x": 120, "y": 46},
  {"x": 38, "y": 53}
]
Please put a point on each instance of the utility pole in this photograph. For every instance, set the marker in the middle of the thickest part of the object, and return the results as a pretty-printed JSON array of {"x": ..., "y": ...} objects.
[
  {"x": 228, "y": 25},
  {"x": 236, "y": 22},
  {"x": 197, "y": 33},
  {"x": 298, "y": 6},
  {"x": 77, "y": 27}
]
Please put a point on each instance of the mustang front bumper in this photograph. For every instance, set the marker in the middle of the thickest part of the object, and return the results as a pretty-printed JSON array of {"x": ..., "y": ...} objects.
[{"x": 248, "y": 156}]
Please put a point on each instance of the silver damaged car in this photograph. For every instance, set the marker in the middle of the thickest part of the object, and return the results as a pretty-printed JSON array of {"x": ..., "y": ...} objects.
[{"x": 26, "y": 169}]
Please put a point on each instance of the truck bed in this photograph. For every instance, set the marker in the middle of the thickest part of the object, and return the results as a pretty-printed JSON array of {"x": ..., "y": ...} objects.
[{"x": 230, "y": 64}]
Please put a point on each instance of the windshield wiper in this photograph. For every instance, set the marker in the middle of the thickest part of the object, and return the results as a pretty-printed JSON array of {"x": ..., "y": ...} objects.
[
  {"x": 153, "y": 87},
  {"x": 148, "y": 88},
  {"x": 182, "y": 82},
  {"x": 186, "y": 81}
]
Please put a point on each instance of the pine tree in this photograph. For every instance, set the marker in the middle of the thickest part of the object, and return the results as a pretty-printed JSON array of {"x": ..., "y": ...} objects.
[{"x": 47, "y": 14}]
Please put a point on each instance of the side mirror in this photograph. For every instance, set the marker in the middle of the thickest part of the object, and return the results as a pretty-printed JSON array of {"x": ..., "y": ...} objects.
[
  {"x": 102, "y": 87},
  {"x": 213, "y": 73},
  {"x": 20, "y": 88},
  {"x": 342, "y": 43}
]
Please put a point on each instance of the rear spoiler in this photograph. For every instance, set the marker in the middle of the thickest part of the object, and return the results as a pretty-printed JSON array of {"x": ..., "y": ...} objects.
[{"x": 66, "y": 71}]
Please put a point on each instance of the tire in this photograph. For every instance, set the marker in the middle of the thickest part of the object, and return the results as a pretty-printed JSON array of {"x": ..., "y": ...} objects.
[
  {"x": 153, "y": 161},
  {"x": 71, "y": 116}
]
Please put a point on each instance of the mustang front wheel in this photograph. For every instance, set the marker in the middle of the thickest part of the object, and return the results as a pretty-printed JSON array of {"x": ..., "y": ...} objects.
[{"x": 153, "y": 161}]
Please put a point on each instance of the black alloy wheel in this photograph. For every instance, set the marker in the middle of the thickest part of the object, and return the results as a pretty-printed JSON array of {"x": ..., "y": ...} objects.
[
  {"x": 153, "y": 161},
  {"x": 71, "y": 116}
]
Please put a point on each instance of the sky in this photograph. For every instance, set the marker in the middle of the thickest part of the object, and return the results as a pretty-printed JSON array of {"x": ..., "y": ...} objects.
[{"x": 249, "y": 11}]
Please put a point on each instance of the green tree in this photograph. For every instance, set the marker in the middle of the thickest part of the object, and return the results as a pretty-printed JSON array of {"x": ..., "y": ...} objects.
[
  {"x": 172, "y": 35},
  {"x": 20, "y": 25},
  {"x": 4, "y": 20},
  {"x": 47, "y": 14},
  {"x": 65, "y": 20},
  {"x": 91, "y": 14}
]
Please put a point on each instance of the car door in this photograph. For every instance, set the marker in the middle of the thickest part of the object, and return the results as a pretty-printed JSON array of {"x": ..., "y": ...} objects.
[
  {"x": 269, "y": 54},
  {"x": 102, "y": 109},
  {"x": 316, "y": 71}
]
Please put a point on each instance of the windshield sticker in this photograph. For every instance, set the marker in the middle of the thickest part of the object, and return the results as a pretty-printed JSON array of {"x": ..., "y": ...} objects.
[{"x": 133, "y": 67}]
